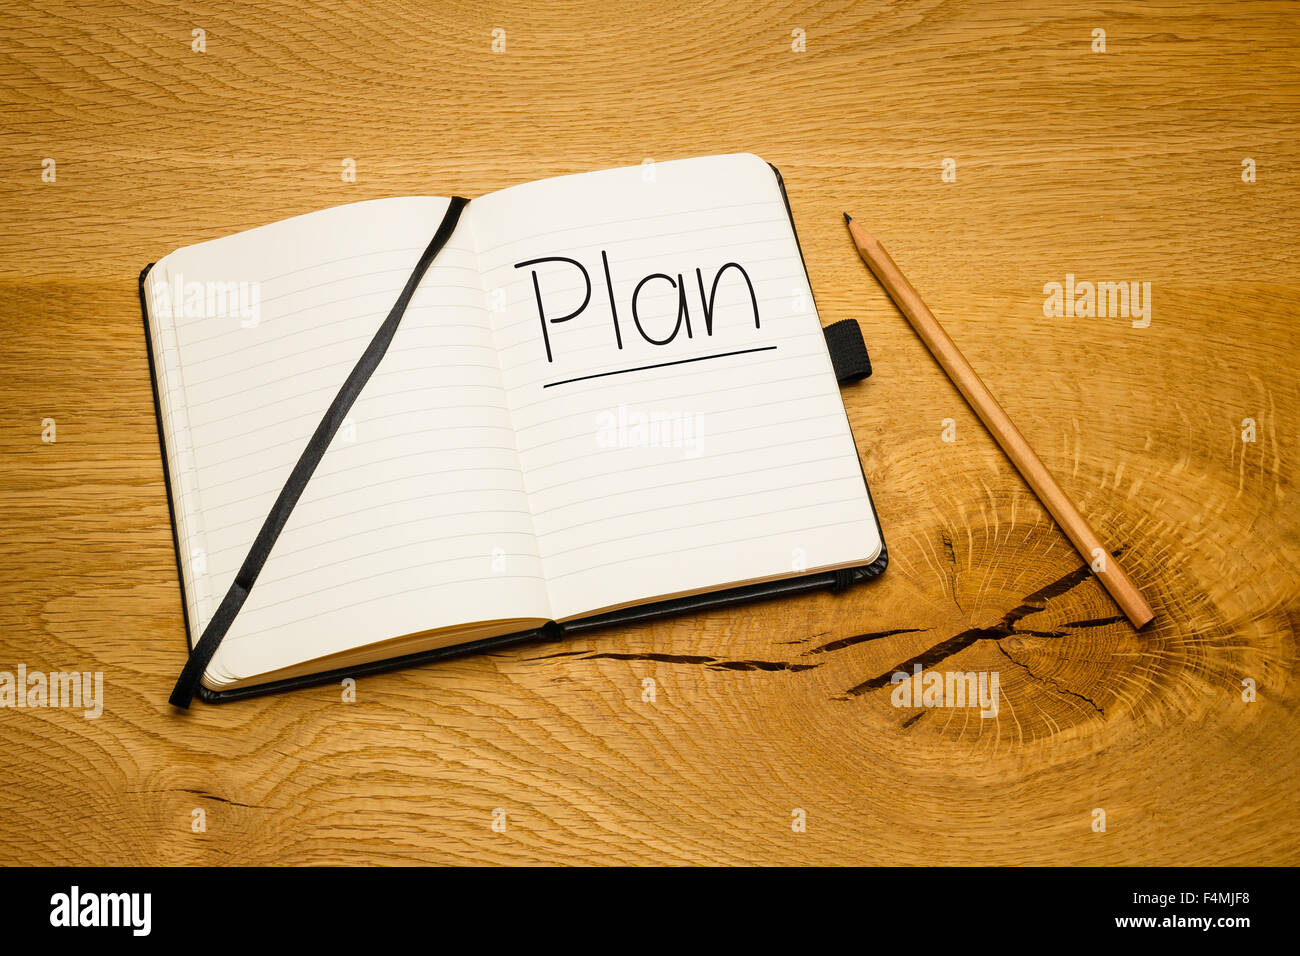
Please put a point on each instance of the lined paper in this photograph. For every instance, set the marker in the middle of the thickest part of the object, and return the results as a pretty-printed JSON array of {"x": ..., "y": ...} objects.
[
  {"x": 416, "y": 517},
  {"x": 757, "y": 476}
]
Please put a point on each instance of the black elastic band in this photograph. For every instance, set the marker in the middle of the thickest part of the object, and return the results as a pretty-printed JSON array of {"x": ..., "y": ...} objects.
[
  {"x": 202, "y": 653},
  {"x": 848, "y": 351}
]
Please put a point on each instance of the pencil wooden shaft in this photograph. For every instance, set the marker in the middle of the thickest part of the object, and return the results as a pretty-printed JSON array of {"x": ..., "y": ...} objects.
[{"x": 993, "y": 416}]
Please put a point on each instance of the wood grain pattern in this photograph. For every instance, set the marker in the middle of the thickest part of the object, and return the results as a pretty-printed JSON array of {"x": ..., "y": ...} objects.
[{"x": 1115, "y": 166}]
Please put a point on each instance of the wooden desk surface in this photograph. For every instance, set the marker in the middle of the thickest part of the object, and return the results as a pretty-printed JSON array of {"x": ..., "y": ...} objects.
[{"x": 1117, "y": 166}]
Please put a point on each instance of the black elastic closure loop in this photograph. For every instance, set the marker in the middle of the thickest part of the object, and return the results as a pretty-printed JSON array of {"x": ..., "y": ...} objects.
[
  {"x": 216, "y": 629},
  {"x": 848, "y": 351}
]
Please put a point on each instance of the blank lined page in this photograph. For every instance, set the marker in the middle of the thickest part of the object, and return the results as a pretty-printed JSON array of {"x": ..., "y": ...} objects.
[
  {"x": 678, "y": 421},
  {"x": 416, "y": 517}
]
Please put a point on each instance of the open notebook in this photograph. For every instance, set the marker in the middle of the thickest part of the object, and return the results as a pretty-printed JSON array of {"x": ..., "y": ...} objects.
[{"x": 609, "y": 398}]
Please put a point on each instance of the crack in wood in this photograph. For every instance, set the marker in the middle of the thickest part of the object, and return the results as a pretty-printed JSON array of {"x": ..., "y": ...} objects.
[
  {"x": 205, "y": 796},
  {"x": 1030, "y": 604},
  {"x": 946, "y": 538},
  {"x": 862, "y": 638},
  {"x": 1056, "y": 685},
  {"x": 1097, "y": 621},
  {"x": 711, "y": 662},
  {"x": 803, "y": 640},
  {"x": 1007, "y": 627},
  {"x": 549, "y": 657}
]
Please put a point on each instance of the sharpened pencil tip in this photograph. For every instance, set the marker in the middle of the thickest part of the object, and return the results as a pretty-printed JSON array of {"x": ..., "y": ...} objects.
[{"x": 847, "y": 217}]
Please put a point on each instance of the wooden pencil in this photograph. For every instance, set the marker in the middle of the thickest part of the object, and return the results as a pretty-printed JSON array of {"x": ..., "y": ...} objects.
[{"x": 995, "y": 419}]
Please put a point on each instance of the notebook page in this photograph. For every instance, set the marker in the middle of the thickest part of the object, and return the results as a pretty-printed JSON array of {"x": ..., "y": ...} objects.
[
  {"x": 660, "y": 460},
  {"x": 416, "y": 517}
]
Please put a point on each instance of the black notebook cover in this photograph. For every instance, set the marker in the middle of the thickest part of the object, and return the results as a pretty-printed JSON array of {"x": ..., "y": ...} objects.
[{"x": 832, "y": 580}]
